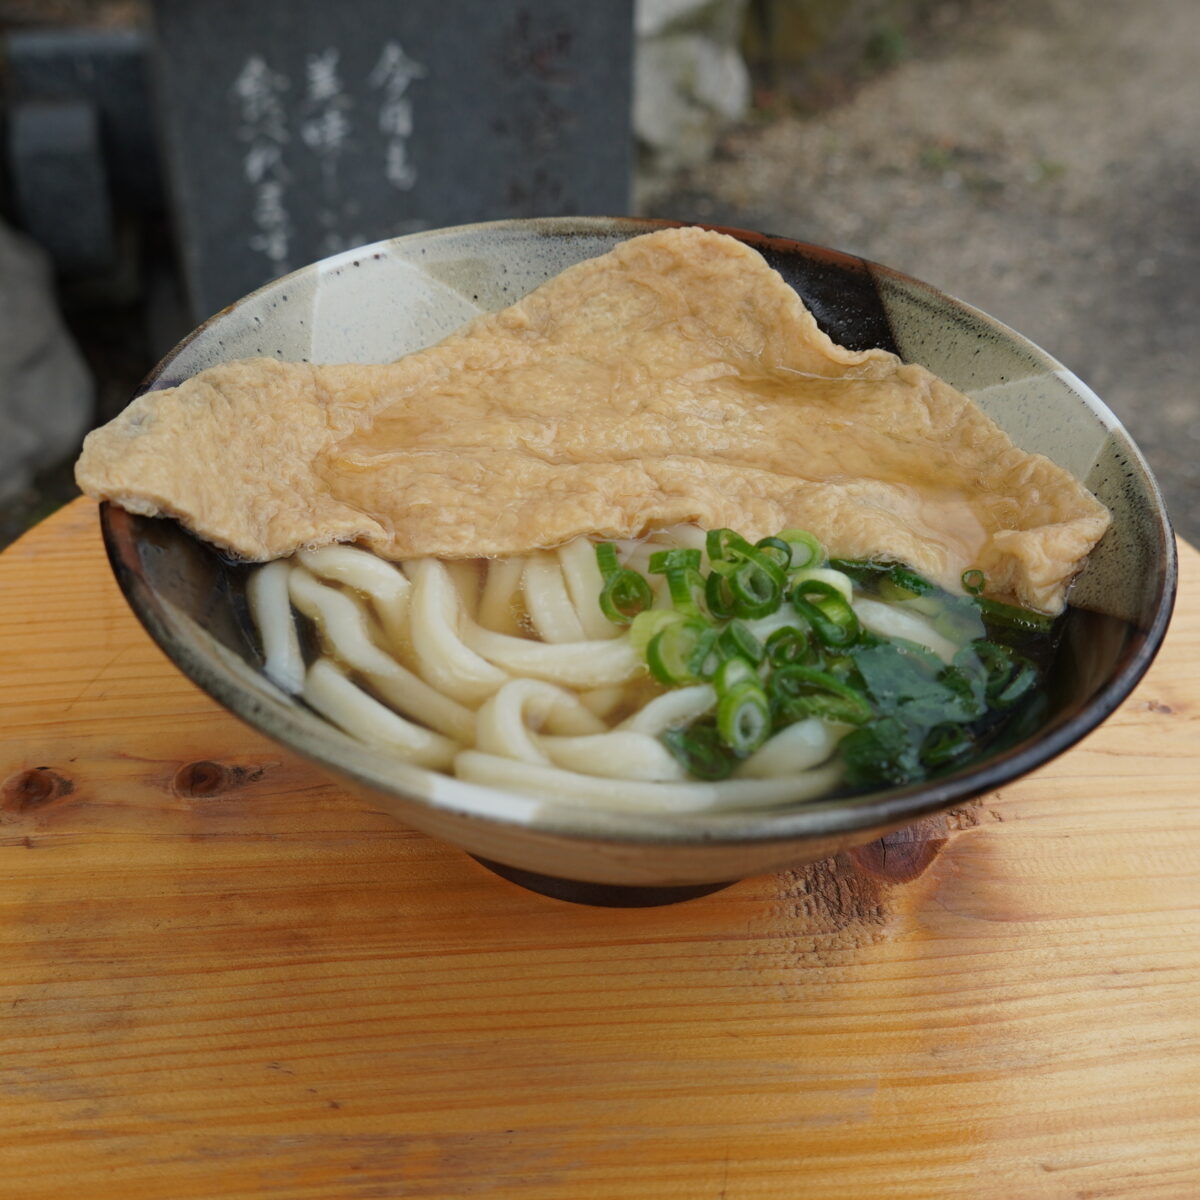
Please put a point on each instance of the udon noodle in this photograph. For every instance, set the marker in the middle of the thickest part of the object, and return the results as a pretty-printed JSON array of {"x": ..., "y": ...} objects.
[{"x": 506, "y": 672}]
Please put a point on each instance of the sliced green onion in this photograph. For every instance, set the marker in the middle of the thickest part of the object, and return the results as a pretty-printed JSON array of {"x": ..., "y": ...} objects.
[
  {"x": 646, "y": 624},
  {"x": 861, "y": 570},
  {"x": 743, "y": 717},
  {"x": 705, "y": 659},
  {"x": 670, "y": 651},
  {"x": 736, "y": 641},
  {"x": 843, "y": 583},
  {"x": 699, "y": 751},
  {"x": 757, "y": 587},
  {"x": 777, "y": 549},
  {"x": 825, "y": 608},
  {"x": 723, "y": 544},
  {"x": 718, "y": 596},
  {"x": 1022, "y": 682},
  {"x": 798, "y": 692},
  {"x": 966, "y": 685},
  {"x": 663, "y": 561},
  {"x": 974, "y": 581},
  {"x": 625, "y": 594},
  {"x": 1009, "y": 616},
  {"x": 1008, "y": 675},
  {"x": 732, "y": 672},
  {"x": 902, "y": 583},
  {"x": 945, "y": 743},
  {"x": 686, "y": 588},
  {"x": 606, "y": 559},
  {"x": 787, "y": 646},
  {"x": 806, "y": 550}
]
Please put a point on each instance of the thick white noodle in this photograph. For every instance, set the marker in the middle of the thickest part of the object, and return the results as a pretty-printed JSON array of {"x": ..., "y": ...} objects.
[
  {"x": 602, "y": 700},
  {"x": 795, "y": 748},
  {"x": 500, "y": 603},
  {"x": 584, "y": 583},
  {"x": 575, "y": 664},
  {"x": 680, "y": 706},
  {"x": 335, "y": 697},
  {"x": 411, "y": 695},
  {"x": 341, "y": 619},
  {"x": 587, "y": 791},
  {"x": 271, "y": 611},
  {"x": 343, "y": 622},
  {"x": 888, "y": 620},
  {"x": 506, "y": 722},
  {"x": 621, "y": 754},
  {"x": 688, "y": 537},
  {"x": 548, "y": 603},
  {"x": 382, "y": 582},
  {"x": 467, "y": 582},
  {"x": 446, "y": 661}
]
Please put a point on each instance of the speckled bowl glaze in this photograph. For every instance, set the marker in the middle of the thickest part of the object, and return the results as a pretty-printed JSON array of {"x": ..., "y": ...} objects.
[{"x": 385, "y": 300}]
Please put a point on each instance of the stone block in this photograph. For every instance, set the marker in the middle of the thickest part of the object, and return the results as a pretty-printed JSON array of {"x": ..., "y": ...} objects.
[
  {"x": 297, "y": 128},
  {"x": 60, "y": 189},
  {"x": 46, "y": 395}
]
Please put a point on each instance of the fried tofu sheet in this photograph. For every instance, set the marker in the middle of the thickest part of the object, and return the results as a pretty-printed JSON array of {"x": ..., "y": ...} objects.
[{"x": 677, "y": 378}]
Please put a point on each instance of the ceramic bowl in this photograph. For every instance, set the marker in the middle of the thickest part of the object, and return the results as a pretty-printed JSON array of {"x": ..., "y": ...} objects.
[{"x": 385, "y": 300}]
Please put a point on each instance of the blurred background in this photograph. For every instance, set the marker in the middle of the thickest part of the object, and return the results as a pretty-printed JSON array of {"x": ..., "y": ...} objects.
[{"x": 158, "y": 158}]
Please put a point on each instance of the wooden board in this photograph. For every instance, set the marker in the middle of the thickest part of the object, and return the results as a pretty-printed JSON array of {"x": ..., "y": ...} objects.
[{"x": 222, "y": 977}]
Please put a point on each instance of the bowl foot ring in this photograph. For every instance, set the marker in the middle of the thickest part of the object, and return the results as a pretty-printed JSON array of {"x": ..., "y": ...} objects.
[{"x": 604, "y": 895}]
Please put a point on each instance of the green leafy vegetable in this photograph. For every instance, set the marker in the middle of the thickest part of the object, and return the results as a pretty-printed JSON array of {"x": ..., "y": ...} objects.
[{"x": 907, "y": 711}]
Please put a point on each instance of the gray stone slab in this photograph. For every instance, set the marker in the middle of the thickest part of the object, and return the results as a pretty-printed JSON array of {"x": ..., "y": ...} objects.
[
  {"x": 45, "y": 392},
  {"x": 60, "y": 188},
  {"x": 107, "y": 68},
  {"x": 297, "y": 128}
]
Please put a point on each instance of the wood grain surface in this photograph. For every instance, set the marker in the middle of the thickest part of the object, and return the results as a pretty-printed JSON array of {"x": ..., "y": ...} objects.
[{"x": 221, "y": 977}]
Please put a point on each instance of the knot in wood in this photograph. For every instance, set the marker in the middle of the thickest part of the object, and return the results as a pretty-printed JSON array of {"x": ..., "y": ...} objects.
[
  {"x": 203, "y": 778},
  {"x": 904, "y": 854},
  {"x": 33, "y": 789}
]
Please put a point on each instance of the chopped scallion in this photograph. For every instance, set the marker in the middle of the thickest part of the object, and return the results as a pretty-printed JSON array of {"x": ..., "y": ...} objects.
[
  {"x": 669, "y": 653},
  {"x": 807, "y": 551},
  {"x": 828, "y": 612},
  {"x": 743, "y": 717},
  {"x": 664, "y": 561},
  {"x": 787, "y": 646},
  {"x": 686, "y": 588},
  {"x": 718, "y": 596},
  {"x": 736, "y": 641},
  {"x": 974, "y": 581},
  {"x": 777, "y": 549},
  {"x": 757, "y": 587},
  {"x": 700, "y": 752},
  {"x": 625, "y": 594},
  {"x": 1009, "y": 616}
]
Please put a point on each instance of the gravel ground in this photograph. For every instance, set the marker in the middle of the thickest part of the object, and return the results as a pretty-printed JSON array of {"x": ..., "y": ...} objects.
[{"x": 1043, "y": 164}]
